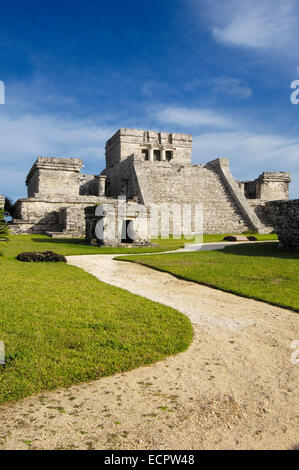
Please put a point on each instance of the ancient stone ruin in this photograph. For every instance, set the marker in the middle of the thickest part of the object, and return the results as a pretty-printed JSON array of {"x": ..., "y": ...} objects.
[
  {"x": 286, "y": 220},
  {"x": 146, "y": 168}
]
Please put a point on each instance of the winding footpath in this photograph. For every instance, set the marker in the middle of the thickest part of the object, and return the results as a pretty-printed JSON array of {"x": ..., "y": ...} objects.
[{"x": 235, "y": 387}]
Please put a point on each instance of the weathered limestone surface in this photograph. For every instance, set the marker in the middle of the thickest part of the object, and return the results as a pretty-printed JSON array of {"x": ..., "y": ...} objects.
[
  {"x": 269, "y": 186},
  {"x": 52, "y": 176},
  {"x": 126, "y": 142},
  {"x": 151, "y": 168},
  {"x": 57, "y": 197},
  {"x": 221, "y": 166},
  {"x": 286, "y": 221},
  {"x": 225, "y": 206},
  {"x": 63, "y": 214},
  {"x": 113, "y": 224},
  {"x": 264, "y": 212},
  {"x": 196, "y": 185}
]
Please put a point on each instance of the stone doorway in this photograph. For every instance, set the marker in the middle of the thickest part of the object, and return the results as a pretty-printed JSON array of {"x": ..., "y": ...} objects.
[{"x": 128, "y": 235}]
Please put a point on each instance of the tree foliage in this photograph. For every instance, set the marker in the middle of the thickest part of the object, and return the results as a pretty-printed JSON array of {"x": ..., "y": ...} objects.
[
  {"x": 8, "y": 207},
  {"x": 3, "y": 227}
]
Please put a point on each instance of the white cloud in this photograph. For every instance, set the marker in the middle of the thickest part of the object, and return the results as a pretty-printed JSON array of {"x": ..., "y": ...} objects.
[
  {"x": 266, "y": 24},
  {"x": 250, "y": 153},
  {"x": 229, "y": 85},
  {"x": 26, "y": 137},
  {"x": 232, "y": 86},
  {"x": 185, "y": 117}
]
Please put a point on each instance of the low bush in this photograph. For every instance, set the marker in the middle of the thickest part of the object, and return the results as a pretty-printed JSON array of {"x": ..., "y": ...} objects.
[
  {"x": 235, "y": 238},
  {"x": 38, "y": 257},
  {"x": 230, "y": 238}
]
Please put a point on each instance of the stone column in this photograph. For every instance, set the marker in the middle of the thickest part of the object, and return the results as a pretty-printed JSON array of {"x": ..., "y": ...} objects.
[
  {"x": 242, "y": 187},
  {"x": 151, "y": 154},
  {"x": 2, "y": 201},
  {"x": 101, "y": 185},
  {"x": 163, "y": 155}
]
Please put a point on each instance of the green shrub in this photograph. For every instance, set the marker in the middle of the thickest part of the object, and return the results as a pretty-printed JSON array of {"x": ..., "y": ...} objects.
[
  {"x": 230, "y": 238},
  {"x": 39, "y": 257}
]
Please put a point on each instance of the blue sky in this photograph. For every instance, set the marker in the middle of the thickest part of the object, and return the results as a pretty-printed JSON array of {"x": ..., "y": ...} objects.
[{"x": 75, "y": 72}]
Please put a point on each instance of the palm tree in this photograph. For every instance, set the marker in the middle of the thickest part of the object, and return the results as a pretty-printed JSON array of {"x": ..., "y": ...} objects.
[
  {"x": 8, "y": 207},
  {"x": 3, "y": 227}
]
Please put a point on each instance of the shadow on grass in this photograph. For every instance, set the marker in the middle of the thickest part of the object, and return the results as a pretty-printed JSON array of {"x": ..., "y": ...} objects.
[
  {"x": 70, "y": 241},
  {"x": 261, "y": 249}
]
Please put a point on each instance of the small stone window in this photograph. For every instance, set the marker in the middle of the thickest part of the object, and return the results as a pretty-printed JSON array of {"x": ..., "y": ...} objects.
[
  {"x": 145, "y": 153},
  {"x": 169, "y": 155},
  {"x": 250, "y": 190},
  {"x": 157, "y": 155}
]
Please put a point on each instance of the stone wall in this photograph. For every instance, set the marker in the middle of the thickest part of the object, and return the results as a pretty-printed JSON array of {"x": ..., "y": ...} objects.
[
  {"x": 87, "y": 185},
  {"x": 122, "y": 179},
  {"x": 57, "y": 197},
  {"x": 151, "y": 168},
  {"x": 41, "y": 215},
  {"x": 153, "y": 145},
  {"x": 72, "y": 220},
  {"x": 225, "y": 207},
  {"x": 264, "y": 212},
  {"x": 53, "y": 176},
  {"x": 286, "y": 222},
  {"x": 60, "y": 176},
  {"x": 197, "y": 185},
  {"x": 269, "y": 186},
  {"x": 119, "y": 223}
]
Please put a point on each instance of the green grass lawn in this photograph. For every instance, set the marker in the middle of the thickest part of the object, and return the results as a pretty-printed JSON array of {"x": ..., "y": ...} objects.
[
  {"x": 210, "y": 238},
  {"x": 62, "y": 326},
  {"x": 260, "y": 271},
  {"x": 69, "y": 247}
]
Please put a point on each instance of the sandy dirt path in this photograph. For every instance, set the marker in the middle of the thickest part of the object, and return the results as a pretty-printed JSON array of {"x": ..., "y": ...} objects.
[{"x": 235, "y": 387}]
